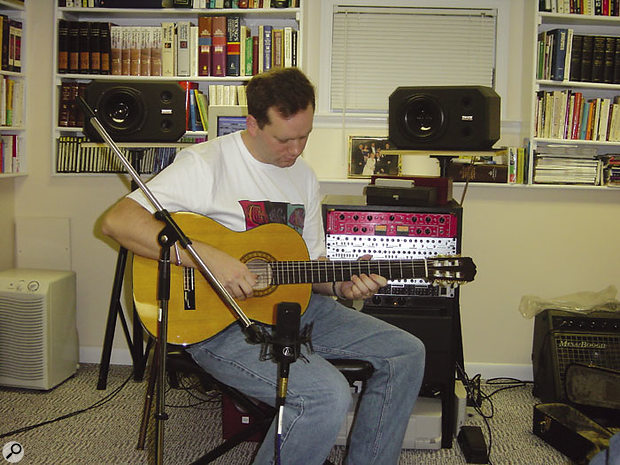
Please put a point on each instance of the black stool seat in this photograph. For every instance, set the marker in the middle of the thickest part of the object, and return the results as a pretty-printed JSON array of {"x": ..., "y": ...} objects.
[{"x": 353, "y": 369}]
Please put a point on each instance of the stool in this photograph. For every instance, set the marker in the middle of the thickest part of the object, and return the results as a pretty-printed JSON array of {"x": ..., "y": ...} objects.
[{"x": 178, "y": 360}]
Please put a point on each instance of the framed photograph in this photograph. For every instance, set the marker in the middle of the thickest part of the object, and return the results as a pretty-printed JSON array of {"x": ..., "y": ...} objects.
[{"x": 366, "y": 158}]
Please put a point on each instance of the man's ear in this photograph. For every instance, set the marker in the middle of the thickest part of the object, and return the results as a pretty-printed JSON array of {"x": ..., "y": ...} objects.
[{"x": 251, "y": 125}]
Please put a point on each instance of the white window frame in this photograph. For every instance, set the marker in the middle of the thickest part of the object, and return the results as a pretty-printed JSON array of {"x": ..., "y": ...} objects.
[{"x": 327, "y": 8}]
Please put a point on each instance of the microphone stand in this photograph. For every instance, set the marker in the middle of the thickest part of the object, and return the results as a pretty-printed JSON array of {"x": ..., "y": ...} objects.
[
  {"x": 286, "y": 346},
  {"x": 170, "y": 234}
]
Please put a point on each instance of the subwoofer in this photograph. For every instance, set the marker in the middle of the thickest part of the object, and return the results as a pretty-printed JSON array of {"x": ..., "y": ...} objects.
[
  {"x": 564, "y": 338},
  {"x": 137, "y": 112},
  {"x": 444, "y": 117}
]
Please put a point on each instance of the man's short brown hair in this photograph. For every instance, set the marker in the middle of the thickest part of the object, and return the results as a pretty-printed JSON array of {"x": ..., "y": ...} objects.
[{"x": 288, "y": 90}]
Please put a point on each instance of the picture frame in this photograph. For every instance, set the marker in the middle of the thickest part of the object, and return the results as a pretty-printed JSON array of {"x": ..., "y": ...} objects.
[{"x": 365, "y": 157}]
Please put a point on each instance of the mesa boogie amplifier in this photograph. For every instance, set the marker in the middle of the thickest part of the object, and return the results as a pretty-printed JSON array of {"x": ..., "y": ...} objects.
[
  {"x": 563, "y": 338},
  {"x": 389, "y": 232}
]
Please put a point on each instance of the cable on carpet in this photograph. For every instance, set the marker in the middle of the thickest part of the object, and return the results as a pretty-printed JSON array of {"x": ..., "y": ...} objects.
[{"x": 99, "y": 403}]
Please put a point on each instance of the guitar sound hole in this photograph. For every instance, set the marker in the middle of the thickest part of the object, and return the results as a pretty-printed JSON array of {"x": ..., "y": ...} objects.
[{"x": 262, "y": 269}]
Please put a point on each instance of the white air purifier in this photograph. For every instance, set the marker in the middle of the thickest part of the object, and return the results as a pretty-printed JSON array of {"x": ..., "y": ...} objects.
[{"x": 38, "y": 334}]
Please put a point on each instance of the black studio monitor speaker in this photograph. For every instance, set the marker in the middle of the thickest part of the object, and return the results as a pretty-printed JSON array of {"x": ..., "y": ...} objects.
[
  {"x": 444, "y": 117},
  {"x": 137, "y": 112}
]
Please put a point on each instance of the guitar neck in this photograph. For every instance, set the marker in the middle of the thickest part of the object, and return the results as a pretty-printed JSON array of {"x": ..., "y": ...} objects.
[{"x": 323, "y": 271}]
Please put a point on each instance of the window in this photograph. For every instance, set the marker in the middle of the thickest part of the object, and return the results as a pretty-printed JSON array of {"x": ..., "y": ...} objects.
[{"x": 375, "y": 49}]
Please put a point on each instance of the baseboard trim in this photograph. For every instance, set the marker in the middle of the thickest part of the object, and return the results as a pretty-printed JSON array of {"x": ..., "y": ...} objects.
[
  {"x": 523, "y": 372},
  {"x": 93, "y": 355}
]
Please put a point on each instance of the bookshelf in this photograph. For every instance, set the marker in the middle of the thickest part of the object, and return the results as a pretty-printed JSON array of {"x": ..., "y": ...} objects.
[
  {"x": 570, "y": 95},
  {"x": 68, "y": 135},
  {"x": 12, "y": 90}
]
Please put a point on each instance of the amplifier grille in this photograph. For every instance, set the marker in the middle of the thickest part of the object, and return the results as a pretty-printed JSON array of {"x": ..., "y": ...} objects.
[{"x": 600, "y": 349}]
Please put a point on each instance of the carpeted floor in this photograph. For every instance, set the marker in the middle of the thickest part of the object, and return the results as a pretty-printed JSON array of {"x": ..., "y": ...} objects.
[{"x": 108, "y": 434}]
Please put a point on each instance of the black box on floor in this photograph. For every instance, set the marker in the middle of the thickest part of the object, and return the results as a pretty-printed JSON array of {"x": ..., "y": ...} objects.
[{"x": 472, "y": 443}]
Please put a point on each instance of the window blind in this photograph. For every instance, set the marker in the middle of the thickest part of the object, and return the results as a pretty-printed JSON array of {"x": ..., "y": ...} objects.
[{"x": 376, "y": 49}]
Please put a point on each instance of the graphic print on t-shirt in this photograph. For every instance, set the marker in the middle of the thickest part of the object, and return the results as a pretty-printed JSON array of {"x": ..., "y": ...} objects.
[{"x": 263, "y": 212}]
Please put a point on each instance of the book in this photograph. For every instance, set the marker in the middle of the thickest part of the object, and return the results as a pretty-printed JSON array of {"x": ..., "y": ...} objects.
[
  {"x": 63, "y": 46},
  {"x": 205, "y": 25},
  {"x": 558, "y": 59},
  {"x": 255, "y": 54},
  {"x": 168, "y": 52},
  {"x": 116, "y": 45},
  {"x": 233, "y": 44},
  {"x": 146, "y": 39},
  {"x": 598, "y": 59},
  {"x": 261, "y": 49},
  {"x": 575, "y": 58},
  {"x": 95, "y": 48},
  {"x": 218, "y": 57},
  {"x": 193, "y": 50},
  {"x": 277, "y": 59},
  {"x": 156, "y": 49},
  {"x": 135, "y": 41},
  {"x": 267, "y": 47},
  {"x": 126, "y": 50},
  {"x": 586, "y": 58},
  {"x": 608, "y": 60},
  {"x": 287, "y": 46},
  {"x": 203, "y": 108},
  {"x": 245, "y": 61},
  {"x": 74, "y": 47},
  {"x": 105, "y": 46},
  {"x": 183, "y": 60}
]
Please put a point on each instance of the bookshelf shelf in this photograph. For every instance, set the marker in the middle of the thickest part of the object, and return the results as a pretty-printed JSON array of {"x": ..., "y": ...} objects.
[
  {"x": 143, "y": 18},
  {"x": 166, "y": 13},
  {"x": 577, "y": 19},
  {"x": 109, "y": 77}
]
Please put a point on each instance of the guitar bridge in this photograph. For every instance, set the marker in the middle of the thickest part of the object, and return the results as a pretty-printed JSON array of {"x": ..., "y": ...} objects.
[{"x": 189, "y": 289}]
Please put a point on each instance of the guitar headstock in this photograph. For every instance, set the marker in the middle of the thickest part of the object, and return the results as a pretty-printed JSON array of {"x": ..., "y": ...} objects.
[{"x": 451, "y": 270}]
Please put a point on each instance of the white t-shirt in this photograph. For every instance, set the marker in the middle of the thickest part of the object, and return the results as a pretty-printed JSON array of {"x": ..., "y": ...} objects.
[{"x": 222, "y": 180}]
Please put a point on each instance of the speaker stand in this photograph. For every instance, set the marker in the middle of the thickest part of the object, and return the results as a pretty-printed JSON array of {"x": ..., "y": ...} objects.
[{"x": 115, "y": 311}]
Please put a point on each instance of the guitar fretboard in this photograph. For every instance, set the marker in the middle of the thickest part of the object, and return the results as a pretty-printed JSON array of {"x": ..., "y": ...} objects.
[{"x": 323, "y": 271}]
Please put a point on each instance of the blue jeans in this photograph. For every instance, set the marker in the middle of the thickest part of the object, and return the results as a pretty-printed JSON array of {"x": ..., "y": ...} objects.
[{"x": 319, "y": 396}]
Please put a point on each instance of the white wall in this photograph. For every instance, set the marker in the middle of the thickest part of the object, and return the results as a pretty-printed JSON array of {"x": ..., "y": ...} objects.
[{"x": 540, "y": 241}]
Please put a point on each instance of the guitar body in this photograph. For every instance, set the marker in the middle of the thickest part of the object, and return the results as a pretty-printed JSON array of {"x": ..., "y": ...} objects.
[{"x": 206, "y": 314}]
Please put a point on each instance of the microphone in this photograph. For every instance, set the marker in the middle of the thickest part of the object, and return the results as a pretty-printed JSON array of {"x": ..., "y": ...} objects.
[{"x": 286, "y": 344}]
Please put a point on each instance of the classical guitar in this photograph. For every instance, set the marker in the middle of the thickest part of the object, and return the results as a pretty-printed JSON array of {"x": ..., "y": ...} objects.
[{"x": 277, "y": 254}]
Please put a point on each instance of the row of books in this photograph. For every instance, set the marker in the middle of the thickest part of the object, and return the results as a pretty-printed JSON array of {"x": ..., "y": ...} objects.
[
  {"x": 218, "y": 46},
  {"x": 560, "y": 164},
  {"x": 219, "y": 4},
  {"x": 10, "y": 44},
  {"x": 509, "y": 165},
  {"x": 567, "y": 114},
  {"x": 583, "y": 7},
  {"x": 11, "y": 101},
  {"x": 227, "y": 47},
  {"x": 76, "y": 155},
  {"x": 564, "y": 55},
  {"x": 9, "y": 153}
]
